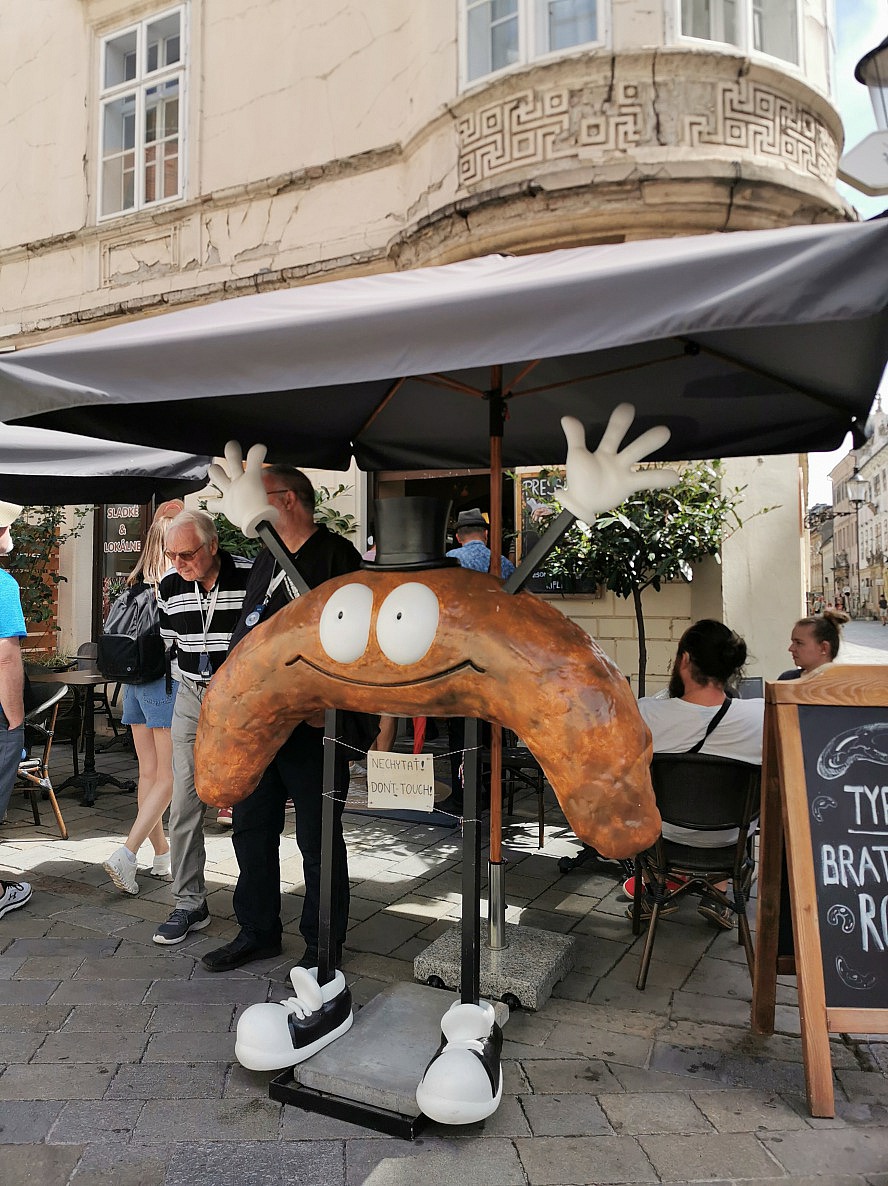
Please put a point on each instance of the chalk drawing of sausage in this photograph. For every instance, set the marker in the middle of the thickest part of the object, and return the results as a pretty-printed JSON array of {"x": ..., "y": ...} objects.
[
  {"x": 863, "y": 743},
  {"x": 821, "y": 804},
  {"x": 840, "y": 916},
  {"x": 851, "y": 977}
]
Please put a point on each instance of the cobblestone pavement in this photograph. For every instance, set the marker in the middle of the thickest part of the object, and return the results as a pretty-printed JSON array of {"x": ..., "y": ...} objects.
[{"x": 117, "y": 1057}]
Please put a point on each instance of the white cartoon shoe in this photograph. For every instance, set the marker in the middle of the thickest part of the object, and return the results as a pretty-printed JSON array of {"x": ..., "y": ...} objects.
[
  {"x": 463, "y": 1083},
  {"x": 272, "y": 1036}
]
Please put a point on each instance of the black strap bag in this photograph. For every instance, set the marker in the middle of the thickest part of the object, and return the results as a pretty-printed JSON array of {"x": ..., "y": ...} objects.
[{"x": 131, "y": 650}]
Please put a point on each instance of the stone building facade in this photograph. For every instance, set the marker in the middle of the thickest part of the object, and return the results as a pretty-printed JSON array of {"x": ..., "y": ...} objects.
[{"x": 167, "y": 154}]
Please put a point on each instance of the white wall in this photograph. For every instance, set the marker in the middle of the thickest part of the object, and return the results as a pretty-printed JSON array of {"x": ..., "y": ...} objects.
[{"x": 763, "y": 565}]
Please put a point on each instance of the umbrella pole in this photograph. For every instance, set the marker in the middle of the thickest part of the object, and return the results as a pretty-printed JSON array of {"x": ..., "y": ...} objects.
[{"x": 496, "y": 904}]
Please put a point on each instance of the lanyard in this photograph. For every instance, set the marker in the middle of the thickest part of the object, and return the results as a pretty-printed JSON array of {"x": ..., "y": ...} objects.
[
  {"x": 255, "y": 616},
  {"x": 211, "y": 606}
]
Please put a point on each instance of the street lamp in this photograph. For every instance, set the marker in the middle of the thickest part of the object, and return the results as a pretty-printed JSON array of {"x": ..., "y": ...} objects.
[
  {"x": 872, "y": 71},
  {"x": 858, "y": 493},
  {"x": 865, "y": 166}
]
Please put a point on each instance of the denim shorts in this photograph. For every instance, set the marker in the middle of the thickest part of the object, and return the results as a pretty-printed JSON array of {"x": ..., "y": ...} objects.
[{"x": 149, "y": 704}]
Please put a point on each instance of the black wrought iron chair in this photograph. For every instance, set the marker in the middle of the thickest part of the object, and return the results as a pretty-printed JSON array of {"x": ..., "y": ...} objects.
[
  {"x": 33, "y": 771},
  {"x": 702, "y": 793},
  {"x": 87, "y": 653},
  {"x": 520, "y": 769}
]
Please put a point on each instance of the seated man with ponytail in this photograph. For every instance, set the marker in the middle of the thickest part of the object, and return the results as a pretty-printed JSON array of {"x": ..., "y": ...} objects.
[{"x": 699, "y": 716}]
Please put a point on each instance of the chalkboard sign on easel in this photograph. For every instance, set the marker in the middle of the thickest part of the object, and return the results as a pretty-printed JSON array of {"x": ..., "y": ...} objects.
[{"x": 825, "y": 806}]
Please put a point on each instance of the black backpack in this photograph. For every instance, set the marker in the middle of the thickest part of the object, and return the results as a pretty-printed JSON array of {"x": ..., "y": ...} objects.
[{"x": 131, "y": 650}]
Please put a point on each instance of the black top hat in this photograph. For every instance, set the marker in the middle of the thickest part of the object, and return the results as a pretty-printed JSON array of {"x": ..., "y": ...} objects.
[{"x": 411, "y": 533}]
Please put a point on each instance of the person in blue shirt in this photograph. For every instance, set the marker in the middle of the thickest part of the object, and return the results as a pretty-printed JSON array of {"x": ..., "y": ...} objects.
[
  {"x": 473, "y": 552},
  {"x": 13, "y": 894}
]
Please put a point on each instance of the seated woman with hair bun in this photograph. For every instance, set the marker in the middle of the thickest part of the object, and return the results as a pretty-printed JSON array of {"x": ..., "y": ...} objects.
[
  {"x": 710, "y": 656},
  {"x": 815, "y": 642}
]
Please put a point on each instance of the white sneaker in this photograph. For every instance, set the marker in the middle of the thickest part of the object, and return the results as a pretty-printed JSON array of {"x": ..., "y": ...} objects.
[
  {"x": 121, "y": 868},
  {"x": 161, "y": 866},
  {"x": 15, "y": 894}
]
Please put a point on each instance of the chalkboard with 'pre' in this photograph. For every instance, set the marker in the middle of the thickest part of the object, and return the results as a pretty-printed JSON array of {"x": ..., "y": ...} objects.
[{"x": 846, "y": 775}]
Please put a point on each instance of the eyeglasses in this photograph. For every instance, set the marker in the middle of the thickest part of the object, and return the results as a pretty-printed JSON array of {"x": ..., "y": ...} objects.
[
  {"x": 285, "y": 490},
  {"x": 184, "y": 557}
]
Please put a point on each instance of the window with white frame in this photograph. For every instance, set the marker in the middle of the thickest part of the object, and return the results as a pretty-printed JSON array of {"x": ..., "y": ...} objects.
[
  {"x": 501, "y": 33},
  {"x": 141, "y": 94},
  {"x": 765, "y": 26}
]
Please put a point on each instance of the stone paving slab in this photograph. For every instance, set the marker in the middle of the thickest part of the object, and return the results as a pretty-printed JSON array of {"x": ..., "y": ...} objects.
[
  {"x": 723, "y": 1155},
  {"x": 567, "y": 1161},
  {"x": 493, "y": 1162},
  {"x": 830, "y": 1151},
  {"x": 50, "y": 1165}
]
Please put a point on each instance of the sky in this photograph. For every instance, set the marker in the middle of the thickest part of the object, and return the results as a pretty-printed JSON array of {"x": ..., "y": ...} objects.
[{"x": 861, "y": 26}]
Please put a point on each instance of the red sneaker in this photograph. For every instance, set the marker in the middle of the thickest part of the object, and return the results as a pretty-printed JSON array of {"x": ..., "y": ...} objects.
[
  {"x": 223, "y": 817},
  {"x": 629, "y": 886}
]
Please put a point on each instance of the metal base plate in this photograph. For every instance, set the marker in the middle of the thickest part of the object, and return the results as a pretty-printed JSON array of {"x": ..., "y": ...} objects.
[{"x": 369, "y": 1076}]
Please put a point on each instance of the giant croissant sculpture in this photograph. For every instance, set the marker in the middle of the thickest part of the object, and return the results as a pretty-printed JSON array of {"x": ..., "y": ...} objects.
[{"x": 443, "y": 642}]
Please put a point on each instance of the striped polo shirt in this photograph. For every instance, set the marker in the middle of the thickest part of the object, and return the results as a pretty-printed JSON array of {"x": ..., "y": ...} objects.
[{"x": 186, "y": 608}]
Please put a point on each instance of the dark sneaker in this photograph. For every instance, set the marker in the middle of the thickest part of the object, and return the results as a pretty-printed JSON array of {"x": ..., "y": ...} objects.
[
  {"x": 180, "y": 922},
  {"x": 647, "y": 908},
  {"x": 14, "y": 895},
  {"x": 714, "y": 912}
]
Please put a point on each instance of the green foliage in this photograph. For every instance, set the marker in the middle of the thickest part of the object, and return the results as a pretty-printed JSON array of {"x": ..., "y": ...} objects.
[
  {"x": 38, "y": 534},
  {"x": 327, "y": 514},
  {"x": 233, "y": 540},
  {"x": 655, "y": 536}
]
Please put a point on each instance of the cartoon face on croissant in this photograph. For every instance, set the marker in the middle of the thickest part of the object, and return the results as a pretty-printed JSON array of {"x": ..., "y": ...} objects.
[{"x": 438, "y": 642}]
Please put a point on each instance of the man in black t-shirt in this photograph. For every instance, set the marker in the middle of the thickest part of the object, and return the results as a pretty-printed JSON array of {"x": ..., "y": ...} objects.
[{"x": 297, "y": 770}]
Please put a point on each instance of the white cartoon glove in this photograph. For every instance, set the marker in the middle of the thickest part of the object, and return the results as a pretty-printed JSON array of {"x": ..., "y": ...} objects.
[
  {"x": 242, "y": 500},
  {"x": 602, "y": 480}
]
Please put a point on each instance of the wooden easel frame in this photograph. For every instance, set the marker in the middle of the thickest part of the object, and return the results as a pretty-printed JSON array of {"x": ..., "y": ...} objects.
[{"x": 785, "y": 826}]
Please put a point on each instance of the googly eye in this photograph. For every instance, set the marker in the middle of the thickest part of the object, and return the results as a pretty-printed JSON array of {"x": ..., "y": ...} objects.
[
  {"x": 407, "y": 623},
  {"x": 345, "y": 623}
]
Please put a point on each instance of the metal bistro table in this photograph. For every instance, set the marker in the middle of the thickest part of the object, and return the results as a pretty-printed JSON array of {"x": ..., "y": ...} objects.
[{"x": 89, "y": 779}]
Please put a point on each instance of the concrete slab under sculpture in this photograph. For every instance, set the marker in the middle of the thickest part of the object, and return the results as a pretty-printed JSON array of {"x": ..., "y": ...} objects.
[{"x": 527, "y": 968}]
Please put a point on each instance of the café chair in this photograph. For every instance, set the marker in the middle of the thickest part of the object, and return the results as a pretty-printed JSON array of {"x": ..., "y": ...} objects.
[
  {"x": 521, "y": 769},
  {"x": 33, "y": 771},
  {"x": 703, "y": 793},
  {"x": 87, "y": 653}
]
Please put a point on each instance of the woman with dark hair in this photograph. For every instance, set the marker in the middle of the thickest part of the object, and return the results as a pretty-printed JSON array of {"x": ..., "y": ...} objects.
[
  {"x": 698, "y": 716},
  {"x": 814, "y": 642}
]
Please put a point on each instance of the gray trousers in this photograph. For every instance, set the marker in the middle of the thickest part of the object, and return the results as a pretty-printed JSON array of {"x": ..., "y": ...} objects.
[
  {"x": 187, "y": 849},
  {"x": 11, "y": 742}
]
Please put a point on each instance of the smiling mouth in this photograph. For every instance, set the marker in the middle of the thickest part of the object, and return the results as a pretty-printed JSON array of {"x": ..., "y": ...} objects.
[{"x": 468, "y": 665}]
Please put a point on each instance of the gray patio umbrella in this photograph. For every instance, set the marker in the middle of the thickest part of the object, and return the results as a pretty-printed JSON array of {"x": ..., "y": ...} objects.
[
  {"x": 38, "y": 466},
  {"x": 745, "y": 343}
]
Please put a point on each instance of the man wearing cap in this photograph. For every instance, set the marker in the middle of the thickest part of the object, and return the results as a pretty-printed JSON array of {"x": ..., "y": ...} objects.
[
  {"x": 12, "y": 708},
  {"x": 473, "y": 552}
]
